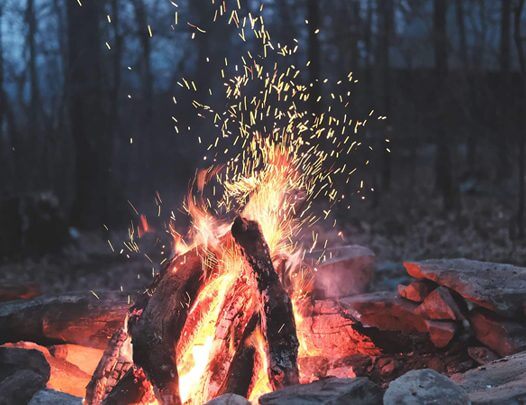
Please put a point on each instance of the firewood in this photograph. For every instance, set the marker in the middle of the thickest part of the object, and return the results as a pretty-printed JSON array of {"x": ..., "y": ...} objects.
[
  {"x": 132, "y": 388},
  {"x": 156, "y": 328},
  {"x": 277, "y": 317},
  {"x": 113, "y": 365},
  {"x": 241, "y": 372},
  {"x": 80, "y": 318},
  {"x": 235, "y": 314}
]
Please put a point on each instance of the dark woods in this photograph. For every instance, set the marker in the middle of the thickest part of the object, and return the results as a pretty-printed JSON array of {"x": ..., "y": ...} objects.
[{"x": 91, "y": 111}]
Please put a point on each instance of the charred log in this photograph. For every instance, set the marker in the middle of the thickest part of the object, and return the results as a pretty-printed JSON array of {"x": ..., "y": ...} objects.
[
  {"x": 114, "y": 364},
  {"x": 156, "y": 328},
  {"x": 79, "y": 318},
  {"x": 241, "y": 371},
  {"x": 132, "y": 388},
  {"x": 277, "y": 317}
]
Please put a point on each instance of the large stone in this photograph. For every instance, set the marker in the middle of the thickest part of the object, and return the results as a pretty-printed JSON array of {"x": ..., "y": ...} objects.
[
  {"x": 497, "y": 287},
  {"x": 345, "y": 271},
  {"x": 424, "y": 386},
  {"x": 52, "y": 397},
  {"x": 20, "y": 386},
  {"x": 500, "y": 334},
  {"x": 441, "y": 332},
  {"x": 500, "y": 382},
  {"x": 333, "y": 391},
  {"x": 14, "y": 359},
  {"x": 440, "y": 305},
  {"x": 417, "y": 291},
  {"x": 64, "y": 376},
  {"x": 385, "y": 311}
]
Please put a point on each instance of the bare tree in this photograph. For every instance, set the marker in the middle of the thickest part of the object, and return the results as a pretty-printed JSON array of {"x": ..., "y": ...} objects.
[
  {"x": 443, "y": 161},
  {"x": 505, "y": 63},
  {"x": 314, "y": 53},
  {"x": 385, "y": 33},
  {"x": 88, "y": 118},
  {"x": 519, "y": 6}
]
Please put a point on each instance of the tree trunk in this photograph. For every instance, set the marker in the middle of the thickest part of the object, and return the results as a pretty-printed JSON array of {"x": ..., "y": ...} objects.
[
  {"x": 443, "y": 169},
  {"x": 314, "y": 55},
  {"x": 385, "y": 30},
  {"x": 88, "y": 119},
  {"x": 521, "y": 136},
  {"x": 505, "y": 63}
]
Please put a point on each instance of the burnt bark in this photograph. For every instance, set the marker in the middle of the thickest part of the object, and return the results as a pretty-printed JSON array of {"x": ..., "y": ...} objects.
[
  {"x": 156, "y": 328},
  {"x": 115, "y": 362},
  {"x": 242, "y": 369},
  {"x": 277, "y": 317}
]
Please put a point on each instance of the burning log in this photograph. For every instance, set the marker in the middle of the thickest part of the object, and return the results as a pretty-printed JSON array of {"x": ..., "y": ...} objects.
[
  {"x": 114, "y": 364},
  {"x": 79, "y": 318},
  {"x": 132, "y": 388},
  {"x": 277, "y": 317},
  {"x": 156, "y": 328},
  {"x": 241, "y": 372}
]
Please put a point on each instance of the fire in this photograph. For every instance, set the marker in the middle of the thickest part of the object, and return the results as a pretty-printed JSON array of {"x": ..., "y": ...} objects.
[{"x": 269, "y": 188}]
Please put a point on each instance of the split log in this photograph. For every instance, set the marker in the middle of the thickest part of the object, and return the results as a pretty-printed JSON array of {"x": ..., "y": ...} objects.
[
  {"x": 114, "y": 364},
  {"x": 156, "y": 328},
  {"x": 236, "y": 312},
  {"x": 79, "y": 318},
  {"x": 277, "y": 317},
  {"x": 242, "y": 370}
]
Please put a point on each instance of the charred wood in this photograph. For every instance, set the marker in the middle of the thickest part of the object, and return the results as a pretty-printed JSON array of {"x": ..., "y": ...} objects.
[{"x": 277, "y": 317}]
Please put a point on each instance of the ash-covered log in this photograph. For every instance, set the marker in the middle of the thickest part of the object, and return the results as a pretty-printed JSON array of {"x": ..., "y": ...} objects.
[
  {"x": 156, "y": 326},
  {"x": 277, "y": 317}
]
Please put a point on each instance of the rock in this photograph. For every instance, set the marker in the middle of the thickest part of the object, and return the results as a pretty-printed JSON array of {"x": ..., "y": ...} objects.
[
  {"x": 500, "y": 382},
  {"x": 385, "y": 311},
  {"x": 52, "y": 397},
  {"x": 326, "y": 329},
  {"x": 441, "y": 332},
  {"x": 20, "y": 386},
  {"x": 64, "y": 376},
  {"x": 229, "y": 399},
  {"x": 346, "y": 271},
  {"x": 441, "y": 305},
  {"x": 417, "y": 291},
  {"x": 501, "y": 335},
  {"x": 497, "y": 287},
  {"x": 15, "y": 359},
  {"x": 333, "y": 391},
  {"x": 424, "y": 386},
  {"x": 481, "y": 354}
]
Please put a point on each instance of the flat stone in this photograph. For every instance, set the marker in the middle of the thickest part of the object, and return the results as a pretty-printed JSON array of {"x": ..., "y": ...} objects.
[
  {"x": 441, "y": 332},
  {"x": 385, "y": 311},
  {"x": 15, "y": 359},
  {"x": 346, "y": 270},
  {"x": 497, "y": 287},
  {"x": 333, "y": 391},
  {"x": 501, "y": 335},
  {"x": 52, "y": 397},
  {"x": 424, "y": 386},
  {"x": 502, "y": 381},
  {"x": 229, "y": 399},
  {"x": 417, "y": 291},
  {"x": 482, "y": 355},
  {"x": 441, "y": 305}
]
